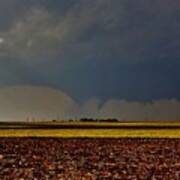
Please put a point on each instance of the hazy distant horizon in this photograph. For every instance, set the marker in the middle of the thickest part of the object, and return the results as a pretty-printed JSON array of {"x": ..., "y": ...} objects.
[{"x": 17, "y": 103}]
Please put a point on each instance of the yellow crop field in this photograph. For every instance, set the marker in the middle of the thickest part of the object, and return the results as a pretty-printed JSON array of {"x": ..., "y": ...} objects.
[
  {"x": 150, "y": 129},
  {"x": 92, "y": 133}
]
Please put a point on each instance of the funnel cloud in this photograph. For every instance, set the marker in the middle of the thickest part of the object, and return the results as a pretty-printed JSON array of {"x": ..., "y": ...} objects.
[{"x": 19, "y": 103}]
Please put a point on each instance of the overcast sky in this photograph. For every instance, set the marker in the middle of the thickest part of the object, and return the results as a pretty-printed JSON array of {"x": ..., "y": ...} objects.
[{"x": 102, "y": 49}]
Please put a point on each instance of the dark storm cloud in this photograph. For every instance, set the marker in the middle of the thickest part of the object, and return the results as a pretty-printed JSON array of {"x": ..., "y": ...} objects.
[
  {"x": 124, "y": 30},
  {"x": 121, "y": 49}
]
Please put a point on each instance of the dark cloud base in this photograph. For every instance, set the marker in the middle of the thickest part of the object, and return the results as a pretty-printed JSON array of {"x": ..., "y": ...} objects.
[{"x": 139, "y": 82}]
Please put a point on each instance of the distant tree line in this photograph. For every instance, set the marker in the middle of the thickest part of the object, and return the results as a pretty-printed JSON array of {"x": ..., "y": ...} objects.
[
  {"x": 98, "y": 120},
  {"x": 87, "y": 120}
]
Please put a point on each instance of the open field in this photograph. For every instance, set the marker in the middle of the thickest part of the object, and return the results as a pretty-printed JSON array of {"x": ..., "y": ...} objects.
[
  {"x": 91, "y": 129},
  {"x": 89, "y": 158},
  {"x": 92, "y": 133}
]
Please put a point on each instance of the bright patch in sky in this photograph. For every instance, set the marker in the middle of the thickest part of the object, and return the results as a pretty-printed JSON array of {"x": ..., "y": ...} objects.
[{"x": 1, "y": 40}]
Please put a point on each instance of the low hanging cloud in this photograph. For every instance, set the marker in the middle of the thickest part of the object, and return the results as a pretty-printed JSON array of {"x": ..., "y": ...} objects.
[
  {"x": 17, "y": 103},
  {"x": 155, "y": 110},
  {"x": 40, "y": 103}
]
